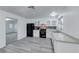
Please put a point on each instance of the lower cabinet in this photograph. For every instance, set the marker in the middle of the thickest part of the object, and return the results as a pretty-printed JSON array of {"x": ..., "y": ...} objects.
[
  {"x": 48, "y": 33},
  {"x": 63, "y": 47},
  {"x": 35, "y": 33}
]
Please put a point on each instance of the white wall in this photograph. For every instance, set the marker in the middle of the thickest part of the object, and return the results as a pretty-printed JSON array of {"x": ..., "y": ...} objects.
[
  {"x": 42, "y": 20},
  {"x": 71, "y": 23},
  {"x": 2, "y": 32},
  {"x": 21, "y": 28}
]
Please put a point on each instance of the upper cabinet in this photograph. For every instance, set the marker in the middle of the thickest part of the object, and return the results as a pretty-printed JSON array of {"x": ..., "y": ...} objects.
[{"x": 53, "y": 22}]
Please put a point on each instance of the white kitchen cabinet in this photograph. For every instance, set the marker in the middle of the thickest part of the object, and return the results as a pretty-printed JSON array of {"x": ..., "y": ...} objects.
[
  {"x": 63, "y": 47},
  {"x": 65, "y": 44},
  {"x": 48, "y": 33},
  {"x": 35, "y": 33}
]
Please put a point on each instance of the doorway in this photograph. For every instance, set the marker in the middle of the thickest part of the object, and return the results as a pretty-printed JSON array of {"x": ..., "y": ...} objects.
[{"x": 11, "y": 30}]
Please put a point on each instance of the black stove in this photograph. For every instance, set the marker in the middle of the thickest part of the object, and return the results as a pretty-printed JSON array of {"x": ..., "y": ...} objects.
[{"x": 42, "y": 33}]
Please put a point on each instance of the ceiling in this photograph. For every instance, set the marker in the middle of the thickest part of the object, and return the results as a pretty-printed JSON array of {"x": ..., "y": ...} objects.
[{"x": 29, "y": 13}]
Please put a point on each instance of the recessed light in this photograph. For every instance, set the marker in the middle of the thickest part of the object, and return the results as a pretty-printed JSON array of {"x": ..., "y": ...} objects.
[
  {"x": 53, "y": 14},
  {"x": 7, "y": 19}
]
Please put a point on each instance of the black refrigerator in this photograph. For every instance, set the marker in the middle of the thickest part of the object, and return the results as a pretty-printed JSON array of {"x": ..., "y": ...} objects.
[{"x": 30, "y": 28}]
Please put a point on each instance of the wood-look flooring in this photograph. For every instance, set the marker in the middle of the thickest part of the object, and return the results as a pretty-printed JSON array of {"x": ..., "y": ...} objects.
[
  {"x": 28, "y": 45},
  {"x": 10, "y": 37}
]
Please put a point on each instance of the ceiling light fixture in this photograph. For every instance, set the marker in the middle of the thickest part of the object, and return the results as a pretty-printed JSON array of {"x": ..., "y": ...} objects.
[{"x": 32, "y": 7}]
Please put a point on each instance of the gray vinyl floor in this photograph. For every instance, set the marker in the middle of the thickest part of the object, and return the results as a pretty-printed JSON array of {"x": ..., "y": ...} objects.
[
  {"x": 28, "y": 45},
  {"x": 11, "y": 37}
]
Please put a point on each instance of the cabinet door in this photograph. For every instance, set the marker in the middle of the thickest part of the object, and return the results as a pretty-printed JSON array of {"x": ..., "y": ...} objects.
[
  {"x": 48, "y": 33},
  {"x": 35, "y": 33}
]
